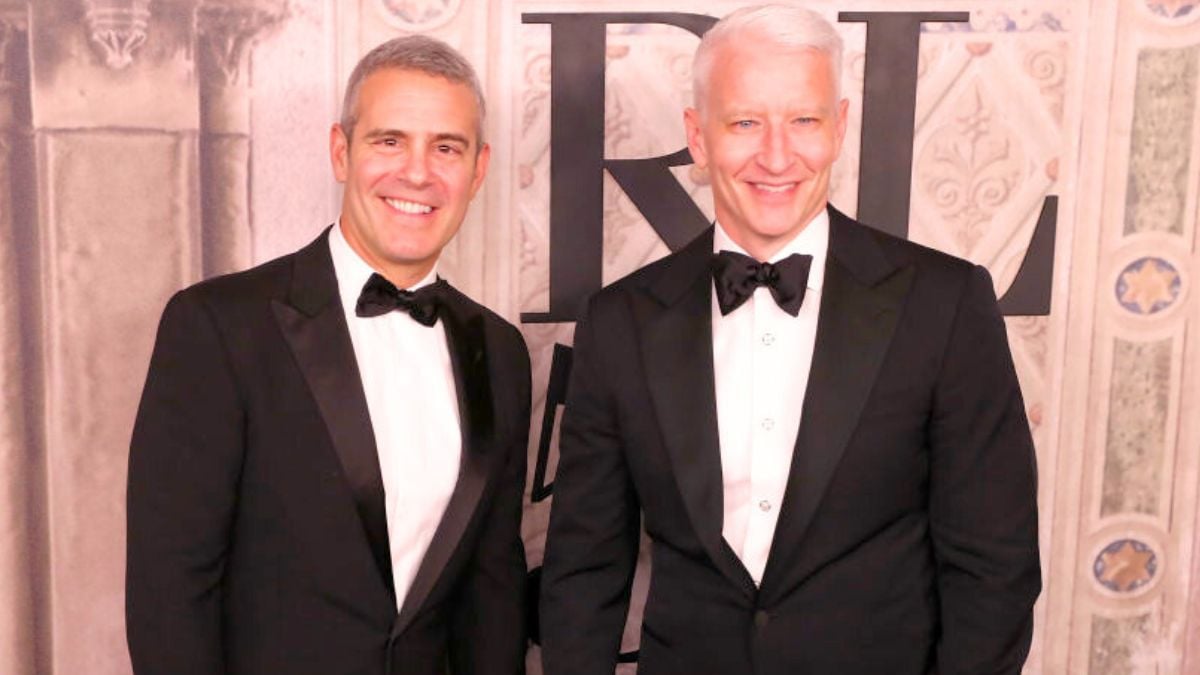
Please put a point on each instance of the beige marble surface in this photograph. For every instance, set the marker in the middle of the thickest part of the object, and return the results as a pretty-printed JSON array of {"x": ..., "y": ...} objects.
[{"x": 1090, "y": 100}]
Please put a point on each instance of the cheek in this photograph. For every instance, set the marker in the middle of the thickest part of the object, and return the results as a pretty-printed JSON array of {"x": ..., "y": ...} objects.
[
  {"x": 458, "y": 183},
  {"x": 729, "y": 160},
  {"x": 820, "y": 153},
  {"x": 371, "y": 171}
]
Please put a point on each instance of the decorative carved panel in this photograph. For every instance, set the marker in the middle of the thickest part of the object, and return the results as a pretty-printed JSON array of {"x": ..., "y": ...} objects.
[{"x": 117, "y": 28}]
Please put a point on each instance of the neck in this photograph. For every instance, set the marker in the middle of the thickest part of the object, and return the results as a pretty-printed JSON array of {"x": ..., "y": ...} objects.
[
  {"x": 401, "y": 274},
  {"x": 762, "y": 248}
]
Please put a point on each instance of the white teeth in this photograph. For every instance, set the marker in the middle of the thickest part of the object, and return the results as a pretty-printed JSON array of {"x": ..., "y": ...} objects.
[
  {"x": 409, "y": 207},
  {"x": 774, "y": 188}
]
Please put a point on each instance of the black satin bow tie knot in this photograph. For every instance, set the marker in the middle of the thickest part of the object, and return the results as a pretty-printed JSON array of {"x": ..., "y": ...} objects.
[
  {"x": 736, "y": 276},
  {"x": 379, "y": 296}
]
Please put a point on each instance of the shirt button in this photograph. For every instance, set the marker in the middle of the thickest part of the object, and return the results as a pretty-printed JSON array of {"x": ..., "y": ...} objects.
[
  {"x": 764, "y": 505},
  {"x": 768, "y": 424},
  {"x": 761, "y": 619},
  {"x": 768, "y": 339}
]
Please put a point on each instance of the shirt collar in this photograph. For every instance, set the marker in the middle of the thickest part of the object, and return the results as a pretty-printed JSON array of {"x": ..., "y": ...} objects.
[
  {"x": 812, "y": 240},
  {"x": 352, "y": 271}
]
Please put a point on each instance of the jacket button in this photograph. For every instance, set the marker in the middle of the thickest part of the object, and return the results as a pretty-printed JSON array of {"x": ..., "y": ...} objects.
[{"x": 761, "y": 619}]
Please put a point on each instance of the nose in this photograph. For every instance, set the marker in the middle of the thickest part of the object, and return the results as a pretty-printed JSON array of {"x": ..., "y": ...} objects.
[
  {"x": 775, "y": 155},
  {"x": 414, "y": 166}
]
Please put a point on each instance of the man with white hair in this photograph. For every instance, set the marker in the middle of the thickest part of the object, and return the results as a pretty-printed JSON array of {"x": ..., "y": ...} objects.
[{"x": 819, "y": 425}]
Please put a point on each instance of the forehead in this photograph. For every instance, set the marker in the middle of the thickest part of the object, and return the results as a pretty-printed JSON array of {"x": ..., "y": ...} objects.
[
  {"x": 415, "y": 101},
  {"x": 746, "y": 73}
]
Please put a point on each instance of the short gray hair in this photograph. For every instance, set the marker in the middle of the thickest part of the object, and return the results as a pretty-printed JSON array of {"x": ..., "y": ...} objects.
[
  {"x": 419, "y": 53},
  {"x": 783, "y": 25}
]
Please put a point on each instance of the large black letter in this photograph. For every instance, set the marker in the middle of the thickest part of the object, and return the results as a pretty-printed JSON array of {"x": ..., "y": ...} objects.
[
  {"x": 1029, "y": 294},
  {"x": 577, "y": 164},
  {"x": 885, "y": 171},
  {"x": 889, "y": 113},
  {"x": 556, "y": 396}
]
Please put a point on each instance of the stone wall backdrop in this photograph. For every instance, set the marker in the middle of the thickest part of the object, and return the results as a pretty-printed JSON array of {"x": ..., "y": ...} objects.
[{"x": 147, "y": 144}]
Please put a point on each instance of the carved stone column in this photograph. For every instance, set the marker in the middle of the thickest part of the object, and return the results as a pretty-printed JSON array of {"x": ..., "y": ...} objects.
[
  {"x": 115, "y": 179},
  {"x": 17, "y": 531},
  {"x": 226, "y": 29}
]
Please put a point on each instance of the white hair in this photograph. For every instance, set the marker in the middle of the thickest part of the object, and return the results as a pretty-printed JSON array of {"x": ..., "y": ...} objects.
[{"x": 782, "y": 25}]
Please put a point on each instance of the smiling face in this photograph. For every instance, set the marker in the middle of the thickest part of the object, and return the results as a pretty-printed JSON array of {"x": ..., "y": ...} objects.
[
  {"x": 409, "y": 172},
  {"x": 768, "y": 131}
]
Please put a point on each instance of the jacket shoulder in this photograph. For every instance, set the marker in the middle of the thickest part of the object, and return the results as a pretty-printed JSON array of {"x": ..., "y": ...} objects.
[
  {"x": 266, "y": 279},
  {"x": 495, "y": 325},
  {"x": 617, "y": 296},
  {"x": 264, "y": 282},
  {"x": 860, "y": 245},
  {"x": 902, "y": 249},
  {"x": 665, "y": 278}
]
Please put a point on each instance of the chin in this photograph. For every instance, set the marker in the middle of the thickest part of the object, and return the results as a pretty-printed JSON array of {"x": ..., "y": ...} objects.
[{"x": 779, "y": 231}]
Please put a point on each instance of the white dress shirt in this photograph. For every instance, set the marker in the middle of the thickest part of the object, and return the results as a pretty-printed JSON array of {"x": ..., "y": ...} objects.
[
  {"x": 761, "y": 360},
  {"x": 412, "y": 398}
]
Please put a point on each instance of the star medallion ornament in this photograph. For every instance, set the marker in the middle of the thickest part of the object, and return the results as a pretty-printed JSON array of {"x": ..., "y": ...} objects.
[
  {"x": 1125, "y": 566},
  {"x": 1148, "y": 286}
]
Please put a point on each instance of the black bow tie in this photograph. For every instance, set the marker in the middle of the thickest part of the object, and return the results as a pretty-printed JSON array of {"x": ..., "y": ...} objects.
[
  {"x": 379, "y": 296},
  {"x": 736, "y": 276}
]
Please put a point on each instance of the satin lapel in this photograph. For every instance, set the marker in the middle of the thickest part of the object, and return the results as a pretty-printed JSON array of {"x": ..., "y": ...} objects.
[
  {"x": 678, "y": 357},
  {"x": 860, "y": 306},
  {"x": 468, "y": 356},
  {"x": 314, "y": 325}
]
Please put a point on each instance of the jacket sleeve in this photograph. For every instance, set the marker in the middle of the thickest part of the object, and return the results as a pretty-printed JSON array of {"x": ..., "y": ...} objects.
[
  {"x": 592, "y": 542},
  {"x": 488, "y": 626},
  {"x": 184, "y": 464},
  {"x": 983, "y": 495}
]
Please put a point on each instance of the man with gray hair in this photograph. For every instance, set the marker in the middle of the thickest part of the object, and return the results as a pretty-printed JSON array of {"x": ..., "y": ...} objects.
[
  {"x": 818, "y": 425},
  {"x": 328, "y": 462}
]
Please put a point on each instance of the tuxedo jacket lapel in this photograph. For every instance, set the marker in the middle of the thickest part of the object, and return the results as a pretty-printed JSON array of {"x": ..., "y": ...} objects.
[
  {"x": 860, "y": 307},
  {"x": 314, "y": 326},
  {"x": 678, "y": 357},
  {"x": 468, "y": 356}
]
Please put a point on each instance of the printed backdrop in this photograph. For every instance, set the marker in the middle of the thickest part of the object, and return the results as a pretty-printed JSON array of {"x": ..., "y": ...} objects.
[{"x": 146, "y": 144}]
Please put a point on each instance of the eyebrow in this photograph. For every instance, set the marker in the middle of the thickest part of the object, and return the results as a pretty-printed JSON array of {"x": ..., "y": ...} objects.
[
  {"x": 438, "y": 138},
  {"x": 448, "y": 136}
]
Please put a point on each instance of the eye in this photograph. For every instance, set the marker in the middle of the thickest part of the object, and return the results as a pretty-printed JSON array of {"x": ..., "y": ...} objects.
[
  {"x": 448, "y": 149},
  {"x": 804, "y": 121},
  {"x": 388, "y": 142},
  {"x": 744, "y": 124}
]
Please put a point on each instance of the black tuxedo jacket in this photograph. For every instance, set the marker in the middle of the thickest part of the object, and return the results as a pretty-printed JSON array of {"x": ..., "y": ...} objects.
[
  {"x": 257, "y": 531},
  {"x": 907, "y": 539}
]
